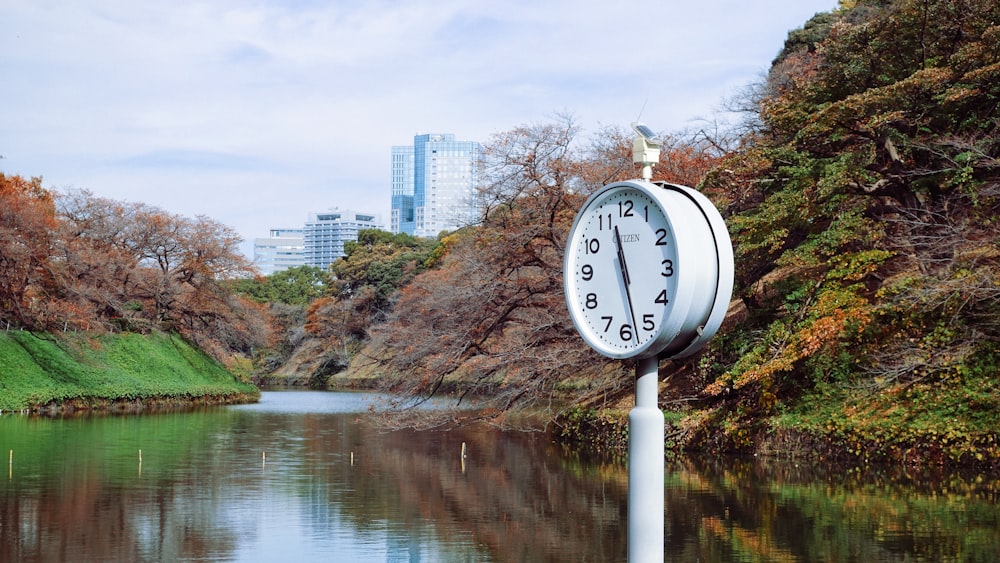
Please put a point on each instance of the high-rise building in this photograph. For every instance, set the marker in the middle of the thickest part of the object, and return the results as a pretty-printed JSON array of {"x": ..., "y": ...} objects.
[
  {"x": 401, "y": 219},
  {"x": 325, "y": 233},
  {"x": 281, "y": 250},
  {"x": 434, "y": 185}
]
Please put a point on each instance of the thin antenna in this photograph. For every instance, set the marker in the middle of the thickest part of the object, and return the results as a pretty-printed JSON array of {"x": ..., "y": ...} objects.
[{"x": 642, "y": 109}]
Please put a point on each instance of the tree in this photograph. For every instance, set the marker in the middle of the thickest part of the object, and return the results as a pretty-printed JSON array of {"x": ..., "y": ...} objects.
[
  {"x": 291, "y": 286},
  {"x": 27, "y": 225},
  {"x": 77, "y": 261},
  {"x": 363, "y": 285},
  {"x": 364, "y": 281},
  {"x": 137, "y": 267},
  {"x": 208, "y": 256},
  {"x": 98, "y": 247},
  {"x": 382, "y": 262}
]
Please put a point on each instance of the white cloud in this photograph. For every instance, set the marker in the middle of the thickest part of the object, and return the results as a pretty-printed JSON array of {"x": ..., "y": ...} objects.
[{"x": 257, "y": 112}]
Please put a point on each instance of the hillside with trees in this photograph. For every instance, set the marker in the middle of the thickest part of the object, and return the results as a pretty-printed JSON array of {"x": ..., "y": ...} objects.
[
  {"x": 862, "y": 190},
  {"x": 76, "y": 262},
  {"x": 864, "y": 207}
]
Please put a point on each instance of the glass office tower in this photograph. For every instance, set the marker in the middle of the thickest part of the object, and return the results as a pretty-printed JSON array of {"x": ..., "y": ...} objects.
[
  {"x": 401, "y": 219},
  {"x": 434, "y": 185}
]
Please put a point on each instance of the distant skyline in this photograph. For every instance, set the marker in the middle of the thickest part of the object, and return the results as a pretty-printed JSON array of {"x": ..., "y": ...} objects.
[{"x": 257, "y": 113}]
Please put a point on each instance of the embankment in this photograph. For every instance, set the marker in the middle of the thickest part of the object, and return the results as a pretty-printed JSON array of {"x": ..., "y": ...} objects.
[{"x": 112, "y": 372}]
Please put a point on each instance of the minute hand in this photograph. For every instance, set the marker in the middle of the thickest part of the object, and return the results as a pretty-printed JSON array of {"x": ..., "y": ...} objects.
[{"x": 627, "y": 281}]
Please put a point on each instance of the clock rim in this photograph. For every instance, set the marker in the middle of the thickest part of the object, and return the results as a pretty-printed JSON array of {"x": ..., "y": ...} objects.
[{"x": 680, "y": 310}]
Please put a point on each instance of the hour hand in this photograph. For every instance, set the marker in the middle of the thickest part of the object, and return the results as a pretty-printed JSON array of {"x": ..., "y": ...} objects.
[{"x": 621, "y": 257}]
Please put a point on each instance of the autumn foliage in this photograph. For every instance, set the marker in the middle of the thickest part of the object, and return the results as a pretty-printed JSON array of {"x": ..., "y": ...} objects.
[
  {"x": 488, "y": 319},
  {"x": 864, "y": 212},
  {"x": 78, "y": 262},
  {"x": 27, "y": 226}
]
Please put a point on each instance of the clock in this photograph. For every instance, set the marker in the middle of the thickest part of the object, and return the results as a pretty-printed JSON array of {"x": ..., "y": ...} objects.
[{"x": 648, "y": 270}]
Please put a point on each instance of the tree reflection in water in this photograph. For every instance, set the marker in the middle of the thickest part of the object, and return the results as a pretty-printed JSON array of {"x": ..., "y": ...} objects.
[
  {"x": 333, "y": 487},
  {"x": 743, "y": 509}
]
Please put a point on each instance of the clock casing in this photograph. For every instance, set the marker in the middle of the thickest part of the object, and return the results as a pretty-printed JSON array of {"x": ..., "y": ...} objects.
[{"x": 648, "y": 270}]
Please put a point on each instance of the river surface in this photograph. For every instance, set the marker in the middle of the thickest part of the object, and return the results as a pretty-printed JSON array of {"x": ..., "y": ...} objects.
[{"x": 306, "y": 476}]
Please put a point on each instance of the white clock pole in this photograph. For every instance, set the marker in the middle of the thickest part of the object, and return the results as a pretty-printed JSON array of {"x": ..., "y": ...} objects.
[
  {"x": 645, "y": 467},
  {"x": 646, "y": 447},
  {"x": 667, "y": 305}
]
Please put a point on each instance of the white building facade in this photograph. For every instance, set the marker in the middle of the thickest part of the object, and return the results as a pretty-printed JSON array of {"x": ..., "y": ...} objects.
[
  {"x": 325, "y": 233},
  {"x": 282, "y": 249}
]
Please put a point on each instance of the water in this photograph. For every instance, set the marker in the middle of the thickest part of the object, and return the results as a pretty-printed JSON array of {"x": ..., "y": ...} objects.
[{"x": 305, "y": 476}]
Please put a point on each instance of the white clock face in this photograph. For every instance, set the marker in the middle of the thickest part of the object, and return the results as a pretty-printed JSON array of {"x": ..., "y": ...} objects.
[{"x": 621, "y": 269}]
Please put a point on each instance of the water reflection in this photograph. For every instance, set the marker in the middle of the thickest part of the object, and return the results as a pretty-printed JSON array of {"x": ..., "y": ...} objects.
[
  {"x": 753, "y": 510},
  {"x": 302, "y": 476}
]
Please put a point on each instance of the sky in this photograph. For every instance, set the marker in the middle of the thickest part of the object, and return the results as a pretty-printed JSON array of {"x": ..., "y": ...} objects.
[{"x": 257, "y": 113}]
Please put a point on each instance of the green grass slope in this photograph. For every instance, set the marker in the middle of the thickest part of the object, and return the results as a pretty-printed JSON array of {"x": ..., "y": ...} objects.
[{"x": 89, "y": 370}]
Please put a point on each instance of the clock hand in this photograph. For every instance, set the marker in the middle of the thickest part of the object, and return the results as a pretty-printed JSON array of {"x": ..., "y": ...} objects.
[
  {"x": 621, "y": 258},
  {"x": 627, "y": 281}
]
